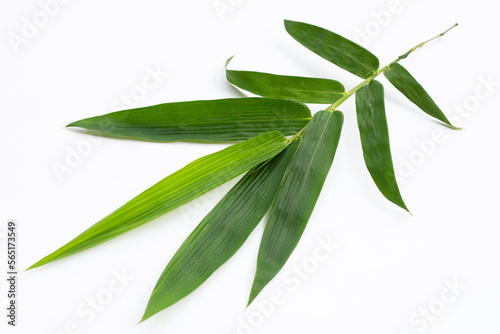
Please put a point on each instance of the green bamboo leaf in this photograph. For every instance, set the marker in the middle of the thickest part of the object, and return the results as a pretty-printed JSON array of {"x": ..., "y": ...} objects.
[
  {"x": 301, "y": 89},
  {"x": 297, "y": 196},
  {"x": 186, "y": 184},
  {"x": 400, "y": 78},
  {"x": 221, "y": 233},
  {"x": 202, "y": 121},
  {"x": 334, "y": 48},
  {"x": 372, "y": 124}
]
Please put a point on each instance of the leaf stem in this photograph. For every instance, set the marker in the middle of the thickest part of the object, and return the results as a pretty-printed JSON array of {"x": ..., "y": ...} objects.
[
  {"x": 298, "y": 134},
  {"x": 349, "y": 93},
  {"x": 403, "y": 56}
]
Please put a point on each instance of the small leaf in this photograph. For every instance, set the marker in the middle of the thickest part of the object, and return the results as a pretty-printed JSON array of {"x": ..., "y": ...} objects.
[
  {"x": 221, "y": 233},
  {"x": 203, "y": 121},
  {"x": 372, "y": 124},
  {"x": 400, "y": 78},
  {"x": 301, "y": 89},
  {"x": 177, "y": 189},
  {"x": 297, "y": 196},
  {"x": 334, "y": 48}
]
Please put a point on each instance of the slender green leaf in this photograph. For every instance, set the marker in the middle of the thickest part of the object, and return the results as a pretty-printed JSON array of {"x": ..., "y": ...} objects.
[
  {"x": 301, "y": 89},
  {"x": 297, "y": 196},
  {"x": 400, "y": 78},
  {"x": 334, "y": 48},
  {"x": 186, "y": 184},
  {"x": 374, "y": 134},
  {"x": 221, "y": 233},
  {"x": 203, "y": 121}
]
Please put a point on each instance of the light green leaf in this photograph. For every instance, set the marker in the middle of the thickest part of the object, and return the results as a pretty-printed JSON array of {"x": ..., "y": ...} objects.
[
  {"x": 301, "y": 89},
  {"x": 186, "y": 184},
  {"x": 400, "y": 78},
  {"x": 202, "y": 121},
  {"x": 297, "y": 196},
  {"x": 334, "y": 48},
  {"x": 221, "y": 233},
  {"x": 374, "y": 134}
]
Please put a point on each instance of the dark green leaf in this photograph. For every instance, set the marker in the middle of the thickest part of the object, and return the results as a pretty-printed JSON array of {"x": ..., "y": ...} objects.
[
  {"x": 301, "y": 89},
  {"x": 374, "y": 134},
  {"x": 406, "y": 84},
  {"x": 297, "y": 196},
  {"x": 203, "y": 121},
  {"x": 334, "y": 48},
  {"x": 221, "y": 233},
  {"x": 186, "y": 184}
]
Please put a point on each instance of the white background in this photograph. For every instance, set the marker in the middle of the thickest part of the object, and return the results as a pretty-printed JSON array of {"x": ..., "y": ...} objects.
[{"x": 389, "y": 268}]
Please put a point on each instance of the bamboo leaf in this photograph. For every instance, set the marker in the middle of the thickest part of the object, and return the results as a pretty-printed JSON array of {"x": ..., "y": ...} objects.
[
  {"x": 301, "y": 89},
  {"x": 175, "y": 190},
  {"x": 297, "y": 196},
  {"x": 334, "y": 48},
  {"x": 400, "y": 78},
  {"x": 221, "y": 233},
  {"x": 203, "y": 121},
  {"x": 372, "y": 124}
]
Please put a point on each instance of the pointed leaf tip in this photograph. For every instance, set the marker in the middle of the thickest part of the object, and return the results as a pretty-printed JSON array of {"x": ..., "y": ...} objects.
[
  {"x": 297, "y": 196},
  {"x": 229, "y": 60},
  {"x": 400, "y": 78},
  {"x": 374, "y": 134},
  {"x": 222, "y": 232},
  {"x": 177, "y": 189},
  {"x": 222, "y": 120}
]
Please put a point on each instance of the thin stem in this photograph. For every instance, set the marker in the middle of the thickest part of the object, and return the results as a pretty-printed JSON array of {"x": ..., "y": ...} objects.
[
  {"x": 403, "y": 56},
  {"x": 349, "y": 93},
  {"x": 352, "y": 91},
  {"x": 298, "y": 134}
]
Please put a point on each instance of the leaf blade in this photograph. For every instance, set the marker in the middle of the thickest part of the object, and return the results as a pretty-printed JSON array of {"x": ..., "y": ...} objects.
[
  {"x": 334, "y": 48},
  {"x": 203, "y": 121},
  {"x": 374, "y": 134},
  {"x": 300, "y": 89},
  {"x": 221, "y": 233},
  {"x": 175, "y": 190},
  {"x": 400, "y": 78},
  {"x": 297, "y": 196}
]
